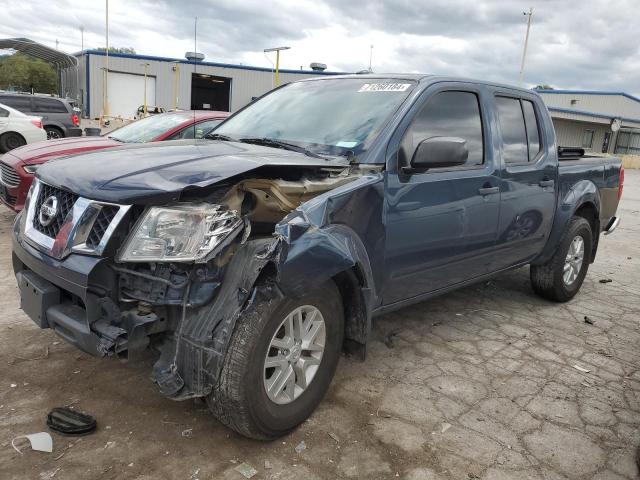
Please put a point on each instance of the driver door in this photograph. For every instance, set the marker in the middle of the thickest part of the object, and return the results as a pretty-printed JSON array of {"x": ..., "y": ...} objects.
[{"x": 441, "y": 224}]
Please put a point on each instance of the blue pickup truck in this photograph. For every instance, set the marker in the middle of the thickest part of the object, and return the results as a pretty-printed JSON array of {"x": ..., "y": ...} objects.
[{"x": 249, "y": 260}]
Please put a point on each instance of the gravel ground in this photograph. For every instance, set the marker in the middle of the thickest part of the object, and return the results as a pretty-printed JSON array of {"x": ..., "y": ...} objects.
[{"x": 478, "y": 384}]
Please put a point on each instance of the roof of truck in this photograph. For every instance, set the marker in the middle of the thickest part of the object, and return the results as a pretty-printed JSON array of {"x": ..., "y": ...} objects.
[{"x": 420, "y": 77}]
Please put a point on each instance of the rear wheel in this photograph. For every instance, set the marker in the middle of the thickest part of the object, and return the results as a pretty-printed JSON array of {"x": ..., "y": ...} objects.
[
  {"x": 561, "y": 277},
  {"x": 280, "y": 361},
  {"x": 11, "y": 140},
  {"x": 53, "y": 133}
]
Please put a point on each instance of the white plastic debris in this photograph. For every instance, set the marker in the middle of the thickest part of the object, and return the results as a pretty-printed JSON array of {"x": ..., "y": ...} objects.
[
  {"x": 580, "y": 369},
  {"x": 445, "y": 427},
  {"x": 41, "y": 442},
  {"x": 246, "y": 470},
  {"x": 301, "y": 446}
]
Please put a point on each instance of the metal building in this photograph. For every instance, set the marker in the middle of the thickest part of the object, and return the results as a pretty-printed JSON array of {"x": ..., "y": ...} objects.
[
  {"x": 601, "y": 122},
  {"x": 169, "y": 83}
]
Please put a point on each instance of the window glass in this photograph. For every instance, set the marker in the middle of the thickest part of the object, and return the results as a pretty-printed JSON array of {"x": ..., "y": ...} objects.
[
  {"x": 327, "y": 116},
  {"x": 22, "y": 103},
  {"x": 3, "y": 112},
  {"x": 533, "y": 130},
  {"x": 146, "y": 129},
  {"x": 514, "y": 135},
  {"x": 587, "y": 139},
  {"x": 200, "y": 130},
  {"x": 447, "y": 114},
  {"x": 49, "y": 105}
]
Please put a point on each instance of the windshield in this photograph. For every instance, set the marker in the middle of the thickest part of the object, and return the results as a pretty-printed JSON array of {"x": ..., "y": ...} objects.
[
  {"x": 147, "y": 129},
  {"x": 325, "y": 116}
]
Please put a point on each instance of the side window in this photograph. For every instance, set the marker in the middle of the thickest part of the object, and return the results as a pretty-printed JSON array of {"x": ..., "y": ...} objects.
[
  {"x": 183, "y": 134},
  {"x": 587, "y": 139},
  {"x": 514, "y": 133},
  {"x": 3, "y": 112},
  {"x": 205, "y": 127},
  {"x": 447, "y": 114},
  {"x": 49, "y": 105},
  {"x": 533, "y": 129},
  {"x": 201, "y": 129},
  {"x": 23, "y": 104}
]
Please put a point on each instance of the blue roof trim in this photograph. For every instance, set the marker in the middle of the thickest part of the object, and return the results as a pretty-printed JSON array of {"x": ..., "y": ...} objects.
[
  {"x": 591, "y": 114},
  {"x": 591, "y": 92},
  {"x": 209, "y": 64}
]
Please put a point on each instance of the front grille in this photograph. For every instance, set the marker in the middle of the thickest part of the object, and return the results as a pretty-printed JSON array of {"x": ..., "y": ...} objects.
[
  {"x": 102, "y": 222},
  {"x": 9, "y": 176},
  {"x": 65, "y": 204}
]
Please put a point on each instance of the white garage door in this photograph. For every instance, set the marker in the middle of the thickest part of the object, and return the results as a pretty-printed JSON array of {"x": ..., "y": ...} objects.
[{"x": 126, "y": 93}]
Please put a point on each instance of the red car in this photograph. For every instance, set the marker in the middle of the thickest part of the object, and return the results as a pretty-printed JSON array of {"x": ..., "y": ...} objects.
[{"x": 18, "y": 166}]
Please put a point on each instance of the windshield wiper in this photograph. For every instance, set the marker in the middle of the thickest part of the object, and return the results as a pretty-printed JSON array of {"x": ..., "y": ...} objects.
[
  {"x": 272, "y": 142},
  {"x": 219, "y": 136},
  {"x": 116, "y": 139}
]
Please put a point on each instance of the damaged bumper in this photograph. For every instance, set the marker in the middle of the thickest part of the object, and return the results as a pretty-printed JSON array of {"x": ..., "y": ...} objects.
[{"x": 69, "y": 297}]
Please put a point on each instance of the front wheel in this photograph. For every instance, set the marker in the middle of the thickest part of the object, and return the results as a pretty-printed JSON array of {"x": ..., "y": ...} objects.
[
  {"x": 561, "y": 277},
  {"x": 280, "y": 361}
]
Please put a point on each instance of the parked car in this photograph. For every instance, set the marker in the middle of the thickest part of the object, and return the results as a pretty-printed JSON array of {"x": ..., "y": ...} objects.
[
  {"x": 59, "y": 118},
  {"x": 18, "y": 167},
  {"x": 249, "y": 263},
  {"x": 17, "y": 129}
]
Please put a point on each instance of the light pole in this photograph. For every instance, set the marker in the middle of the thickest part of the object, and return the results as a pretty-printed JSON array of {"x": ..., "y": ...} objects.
[
  {"x": 105, "y": 93},
  {"x": 277, "y": 50},
  {"x": 526, "y": 43},
  {"x": 81, "y": 90},
  {"x": 144, "y": 105},
  {"x": 176, "y": 76}
]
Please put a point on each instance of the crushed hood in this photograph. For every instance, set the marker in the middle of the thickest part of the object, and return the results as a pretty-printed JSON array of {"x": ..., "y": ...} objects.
[{"x": 157, "y": 173}]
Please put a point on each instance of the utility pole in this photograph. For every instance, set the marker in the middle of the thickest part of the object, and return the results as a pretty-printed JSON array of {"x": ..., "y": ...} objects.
[
  {"x": 144, "y": 105},
  {"x": 277, "y": 50},
  {"x": 176, "y": 76},
  {"x": 526, "y": 43},
  {"x": 370, "y": 57},
  {"x": 105, "y": 90}
]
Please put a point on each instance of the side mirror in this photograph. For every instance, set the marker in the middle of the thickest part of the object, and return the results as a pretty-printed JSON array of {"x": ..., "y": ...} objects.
[{"x": 438, "y": 152}]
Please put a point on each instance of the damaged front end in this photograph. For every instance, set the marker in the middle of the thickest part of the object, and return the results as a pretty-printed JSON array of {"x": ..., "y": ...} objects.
[{"x": 177, "y": 278}]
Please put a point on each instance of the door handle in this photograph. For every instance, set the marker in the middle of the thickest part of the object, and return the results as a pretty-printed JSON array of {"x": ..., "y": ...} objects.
[
  {"x": 488, "y": 190},
  {"x": 546, "y": 183}
]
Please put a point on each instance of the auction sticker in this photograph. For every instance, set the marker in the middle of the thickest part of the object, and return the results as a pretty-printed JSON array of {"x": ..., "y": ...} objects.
[{"x": 384, "y": 87}]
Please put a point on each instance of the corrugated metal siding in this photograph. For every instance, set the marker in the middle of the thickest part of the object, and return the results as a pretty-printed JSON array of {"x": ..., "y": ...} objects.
[
  {"x": 615, "y": 105},
  {"x": 245, "y": 84},
  {"x": 570, "y": 133}
]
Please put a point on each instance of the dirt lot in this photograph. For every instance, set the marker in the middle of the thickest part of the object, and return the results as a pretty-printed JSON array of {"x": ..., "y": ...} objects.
[{"x": 480, "y": 383}]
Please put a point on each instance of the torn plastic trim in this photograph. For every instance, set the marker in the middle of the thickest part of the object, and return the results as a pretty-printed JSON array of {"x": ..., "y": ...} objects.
[{"x": 206, "y": 331}]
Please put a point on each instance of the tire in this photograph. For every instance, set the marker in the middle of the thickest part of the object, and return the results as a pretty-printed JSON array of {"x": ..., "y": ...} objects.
[
  {"x": 240, "y": 399},
  {"x": 11, "y": 140},
  {"x": 548, "y": 280},
  {"x": 53, "y": 133}
]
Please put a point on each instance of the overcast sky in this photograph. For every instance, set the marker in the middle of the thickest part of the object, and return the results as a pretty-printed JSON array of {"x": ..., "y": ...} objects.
[{"x": 588, "y": 44}]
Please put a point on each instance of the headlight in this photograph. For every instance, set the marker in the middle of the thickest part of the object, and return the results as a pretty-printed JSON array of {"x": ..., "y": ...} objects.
[
  {"x": 182, "y": 233},
  {"x": 30, "y": 168}
]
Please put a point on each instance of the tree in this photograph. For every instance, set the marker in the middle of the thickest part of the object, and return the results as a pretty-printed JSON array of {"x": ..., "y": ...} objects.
[
  {"x": 128, "y": 50},
  {"x": 543, "y": 87},
  {"x": 24, "y": 73}
]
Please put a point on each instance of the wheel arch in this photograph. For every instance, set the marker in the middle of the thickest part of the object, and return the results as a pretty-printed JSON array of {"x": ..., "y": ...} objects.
[{"x": 582, "y": 199}]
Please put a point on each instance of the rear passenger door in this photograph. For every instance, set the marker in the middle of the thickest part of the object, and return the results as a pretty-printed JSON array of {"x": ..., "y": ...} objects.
[{"x": 528, "y": 179}]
